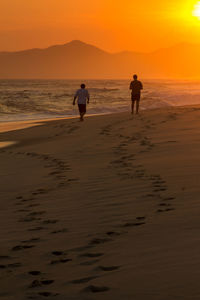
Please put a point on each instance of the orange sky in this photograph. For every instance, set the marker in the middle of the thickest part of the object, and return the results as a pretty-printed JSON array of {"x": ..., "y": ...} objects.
[{"x": 142, "y": 25}]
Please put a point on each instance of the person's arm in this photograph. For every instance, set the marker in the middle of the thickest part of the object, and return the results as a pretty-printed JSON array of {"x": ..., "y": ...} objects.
[
  {"x": 75, "y": 98},
  {"x": 88, "y": 98},
  {"x": 141, "y": 85},
  {"x": 130, "y": 88}
]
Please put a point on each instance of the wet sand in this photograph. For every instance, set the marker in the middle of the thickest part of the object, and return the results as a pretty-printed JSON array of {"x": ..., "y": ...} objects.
[{"x": 105, "y": 209}]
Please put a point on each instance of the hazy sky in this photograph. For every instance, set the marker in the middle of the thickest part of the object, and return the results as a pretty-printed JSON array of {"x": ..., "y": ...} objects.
[{"x": 142, "y": 25}]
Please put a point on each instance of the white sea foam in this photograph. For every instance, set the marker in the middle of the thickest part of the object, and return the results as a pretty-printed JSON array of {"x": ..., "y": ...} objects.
[{"x": 40, "y": 99}]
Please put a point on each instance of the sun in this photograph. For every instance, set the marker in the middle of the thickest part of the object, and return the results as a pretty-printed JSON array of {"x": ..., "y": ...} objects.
[{"x": 196, "y": 11}]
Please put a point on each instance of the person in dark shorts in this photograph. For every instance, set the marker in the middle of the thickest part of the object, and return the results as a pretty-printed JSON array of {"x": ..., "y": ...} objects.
[
  {"x": 83, "y": 97},
  {"x": 136, "y": 87}
]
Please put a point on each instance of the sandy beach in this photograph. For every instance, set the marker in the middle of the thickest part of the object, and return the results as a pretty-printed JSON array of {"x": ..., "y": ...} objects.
[{"x": 104, "y": 209}]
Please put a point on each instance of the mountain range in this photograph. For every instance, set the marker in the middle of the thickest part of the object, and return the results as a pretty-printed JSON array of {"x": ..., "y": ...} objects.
[{"x": 79, "y": 60}]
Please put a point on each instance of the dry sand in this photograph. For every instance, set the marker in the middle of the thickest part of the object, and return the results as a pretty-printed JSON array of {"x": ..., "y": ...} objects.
[{"x": 104, "y": 209}]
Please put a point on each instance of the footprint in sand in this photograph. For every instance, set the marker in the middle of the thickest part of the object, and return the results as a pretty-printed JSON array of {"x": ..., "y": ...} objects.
[
  {"x": 108, "y": 269},
  {"x": 160, "y": 190},
  {"x": 27, "y": 200},
  {"x": 2, "y": 257},
  {"x": 11, "y": 266},
  {"x": 3, "y": 266},
  {"x": 37, "y": 283},
  {"x": 92, "y": 255},
  {"x": 22, "y": 247},
  {"x": 113, "y": 233},
  {"x": 96, "y": 289},
  {"x": 73, "y": 129},
  {"x": 150, "y": 195},
  {"x": 58, "y": 253},
  {"x": 90, "y": 262},
  {"x": 22, "y": 210},
  {"x": 133, "y": 224},
  {"x": 164, "y": 204},
  {"x": 29, "y": 219},
  {"x": 33, "y": 240},
  {"x": 159, "y": 182},
  {"x": 169, "y": 199},
  {"x": 34, "y": 273},
  {"x": 83, "y": 248},
  {"x": 55, "y": 173},
  {"x": 48, "y": 294},
  {"x": 19, "y": 203},
  {"x": 159, "y": 186},
  {"x": 37, "y": 228},
  {"x": 39, "y": 192},
  {"x": 165, "y": 210},
  {"x": 83, "y": 280},
  {"x": 97, "y": 241},
  {"x": 73, "y": 179},
  {"x": 63, "y": 230},
  {"x": 50, "y": 222},
  {"x": 37, "y": 213},
  {"x": 33, "y": 205},
  {"x": 155, "y": 177},
  {"x": 60, "y": 261}
]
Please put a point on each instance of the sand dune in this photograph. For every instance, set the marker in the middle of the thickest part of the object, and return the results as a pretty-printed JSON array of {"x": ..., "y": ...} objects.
[{"x": 104, "y": 209}]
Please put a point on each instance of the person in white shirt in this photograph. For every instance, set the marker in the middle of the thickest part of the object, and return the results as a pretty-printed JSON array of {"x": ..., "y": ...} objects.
[{"x": 83, "y": 98}]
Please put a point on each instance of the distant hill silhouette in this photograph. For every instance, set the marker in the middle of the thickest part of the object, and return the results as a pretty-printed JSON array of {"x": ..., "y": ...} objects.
[{"x": 80, "y": 60}]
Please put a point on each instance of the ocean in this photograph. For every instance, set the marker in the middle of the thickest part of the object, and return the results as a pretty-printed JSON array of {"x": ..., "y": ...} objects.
[{"x": 44, "y": 99}]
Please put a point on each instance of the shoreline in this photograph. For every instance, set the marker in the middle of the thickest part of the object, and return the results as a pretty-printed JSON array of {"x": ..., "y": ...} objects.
[{"x": 17, "y": 125}]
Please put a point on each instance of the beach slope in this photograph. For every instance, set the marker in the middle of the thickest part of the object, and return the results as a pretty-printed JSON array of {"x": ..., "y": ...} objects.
[{"x": 102, "y": 209}]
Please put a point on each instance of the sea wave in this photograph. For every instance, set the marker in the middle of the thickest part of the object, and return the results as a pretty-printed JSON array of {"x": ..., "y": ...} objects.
[
  {"x": 103, "y": 90},
  {"x": 35, "y": 99}
]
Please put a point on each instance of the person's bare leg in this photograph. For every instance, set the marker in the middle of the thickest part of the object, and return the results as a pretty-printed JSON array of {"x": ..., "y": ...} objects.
[
  {"x": 82, "y": 115},
  {"x": 132, "y": 107},
  {"x": 137, "y": 107}
]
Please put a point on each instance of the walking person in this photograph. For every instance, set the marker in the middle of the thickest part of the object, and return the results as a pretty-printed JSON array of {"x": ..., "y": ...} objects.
[
  {"x": 136, "y": 87},
  {"x": 83, "y": 97}
]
